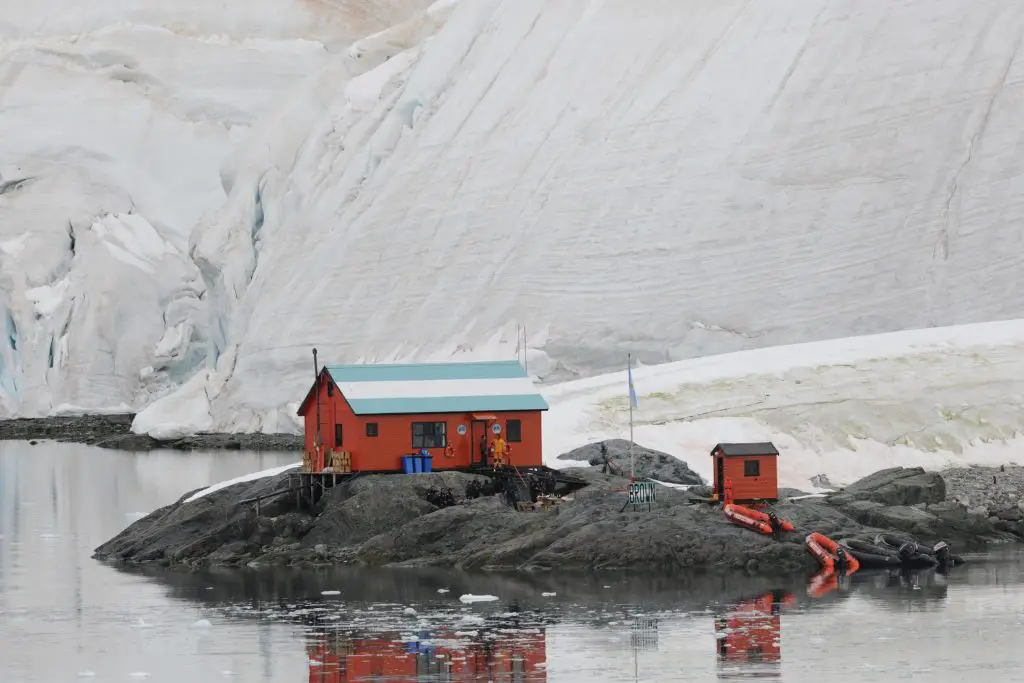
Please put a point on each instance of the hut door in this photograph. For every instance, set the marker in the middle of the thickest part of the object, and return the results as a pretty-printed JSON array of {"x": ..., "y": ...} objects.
[
  {"x": 720, "y": 476},
  {"x": 478, "y": 431}
]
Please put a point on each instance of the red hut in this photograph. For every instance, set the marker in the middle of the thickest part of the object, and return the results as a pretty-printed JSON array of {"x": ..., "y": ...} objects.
[
  {"x": 370, "y": 416},
  {"x": 750, "y": 468}
]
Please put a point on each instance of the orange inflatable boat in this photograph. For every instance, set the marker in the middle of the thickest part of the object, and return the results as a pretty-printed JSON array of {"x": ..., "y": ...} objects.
[
  {"x": 753, "y": 519},
  {"x": 829, "y": 553}
]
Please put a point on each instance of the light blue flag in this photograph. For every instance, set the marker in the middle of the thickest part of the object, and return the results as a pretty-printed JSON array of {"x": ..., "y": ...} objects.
[{"x": 632, "y": 390}]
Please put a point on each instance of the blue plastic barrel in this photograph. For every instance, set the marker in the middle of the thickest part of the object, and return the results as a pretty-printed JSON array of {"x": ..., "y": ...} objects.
[
  {"x": 407, "y": 464},
  {"x": 417, "y": 463},
  {"x": 428, "y": 462}
]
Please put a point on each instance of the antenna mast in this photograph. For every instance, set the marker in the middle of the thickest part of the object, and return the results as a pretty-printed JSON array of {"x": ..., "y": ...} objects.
[{"x": 316, "y": 384}]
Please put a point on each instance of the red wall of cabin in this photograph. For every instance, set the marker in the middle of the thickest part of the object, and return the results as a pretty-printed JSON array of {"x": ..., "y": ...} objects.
[
  {"x": 394, "y": 435},
  {"x": 749, "y": 488}
]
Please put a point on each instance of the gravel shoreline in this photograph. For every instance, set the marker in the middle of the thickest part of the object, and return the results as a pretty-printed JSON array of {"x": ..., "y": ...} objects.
[
  {"x": 114, "y": 431},
  {"x": 986, "y": 490}
]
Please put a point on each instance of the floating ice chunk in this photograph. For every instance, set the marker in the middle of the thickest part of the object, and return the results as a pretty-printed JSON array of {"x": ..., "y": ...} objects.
[
  {"x": 443, "y": 590},
  {"x": 330, "y": 592},
  {"x": 549, "y": 595},
  {"x": 410, "y": 611},
  {"x": 469, "y": 597},
  {"x": 202, "y": 623}
]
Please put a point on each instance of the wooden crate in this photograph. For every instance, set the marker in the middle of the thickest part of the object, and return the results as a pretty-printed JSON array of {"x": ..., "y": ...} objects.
[{"x": 341, "y": 462}]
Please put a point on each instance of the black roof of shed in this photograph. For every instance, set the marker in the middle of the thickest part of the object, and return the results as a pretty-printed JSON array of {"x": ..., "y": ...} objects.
[{"x": 763, "y": 448}]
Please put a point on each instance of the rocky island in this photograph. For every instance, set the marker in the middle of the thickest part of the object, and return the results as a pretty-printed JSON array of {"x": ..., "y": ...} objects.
[{"x": 391, "y": 520}]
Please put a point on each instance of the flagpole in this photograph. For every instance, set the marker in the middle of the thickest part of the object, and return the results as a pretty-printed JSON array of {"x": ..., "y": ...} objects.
[{"x": 629, "y": 371}]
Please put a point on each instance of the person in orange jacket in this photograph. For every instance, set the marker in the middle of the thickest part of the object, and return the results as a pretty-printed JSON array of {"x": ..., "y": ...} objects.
[{"x": 499, "y": 451}]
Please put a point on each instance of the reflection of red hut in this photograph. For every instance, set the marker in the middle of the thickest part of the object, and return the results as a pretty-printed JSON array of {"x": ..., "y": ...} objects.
[
  {"x": 751, "y": 631},
  {"x": 513, "y": 657}
]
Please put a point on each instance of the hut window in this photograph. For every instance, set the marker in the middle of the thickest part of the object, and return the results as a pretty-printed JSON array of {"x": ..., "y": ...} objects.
[
  {"x": 429, "y": 434},
  {"x": 330, "y": 388},
  {"x": 371, "y": 429},
  {"x": 514, "y": 431},
  {"x": 751, "y": 468},
  {"x": 337, "y": 435}
]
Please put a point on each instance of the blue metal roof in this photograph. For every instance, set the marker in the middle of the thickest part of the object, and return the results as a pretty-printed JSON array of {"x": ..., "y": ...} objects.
[
  {"x": 418, "y": 372},
  {"x": 446, "y": 404},
  {"x": 396, "y": 389}
]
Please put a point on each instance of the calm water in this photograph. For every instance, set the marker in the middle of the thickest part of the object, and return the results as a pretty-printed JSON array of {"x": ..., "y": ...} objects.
[{"x": 64, "y": 617}]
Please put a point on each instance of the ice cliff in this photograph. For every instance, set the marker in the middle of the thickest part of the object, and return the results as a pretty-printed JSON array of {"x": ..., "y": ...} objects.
[
  {"x": 674, "y": 178},
  {"x": 117, "y": 119}
]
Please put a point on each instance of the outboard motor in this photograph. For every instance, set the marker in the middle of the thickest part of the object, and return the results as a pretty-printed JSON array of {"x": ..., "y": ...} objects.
[
  {"x": 907, "y": 551},
  {"x": 841, "y": 559},
  {"x": 773, "y": 520},
  {"x": 943, "y": 554}
]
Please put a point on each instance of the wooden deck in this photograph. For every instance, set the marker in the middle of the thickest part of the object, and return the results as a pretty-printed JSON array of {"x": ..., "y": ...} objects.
[{"x": 309, "y": 487}]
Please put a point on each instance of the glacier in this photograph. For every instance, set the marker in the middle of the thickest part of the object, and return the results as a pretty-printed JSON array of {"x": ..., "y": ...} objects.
[
  {"x": 674, "y": 179},
  {"x": 120, "y": 121}
]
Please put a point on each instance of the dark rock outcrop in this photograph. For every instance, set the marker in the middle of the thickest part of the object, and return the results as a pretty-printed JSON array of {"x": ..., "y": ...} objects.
[
  {"x": 649, "y": 463},
  {"x": 895, "y": 486},
  {"x": 387, "y": 520},
  {"x": 913, "y": 501}
]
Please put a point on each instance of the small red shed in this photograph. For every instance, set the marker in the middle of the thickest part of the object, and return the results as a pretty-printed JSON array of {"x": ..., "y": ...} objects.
[
  {"x": 752, "y": 469},
  {"x": 372, "y": 415}
]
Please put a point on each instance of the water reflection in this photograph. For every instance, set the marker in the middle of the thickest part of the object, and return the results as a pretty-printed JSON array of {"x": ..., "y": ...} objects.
[
  {"x": 749, "y": 635},
  {"x": 893, "y": 588},
  {"x": 59, "y": 502},
  {"x": 440, "y": 654}
]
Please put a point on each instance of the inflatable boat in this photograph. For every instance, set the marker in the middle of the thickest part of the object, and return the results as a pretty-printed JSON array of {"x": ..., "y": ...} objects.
[
  {"x": 754, "y": 519},
  {"x": 870, "y": 555},
  {"x": 832, "y": 556},
  {"x": 880, "y": 554},
  {"x": 914, "y": 555}
]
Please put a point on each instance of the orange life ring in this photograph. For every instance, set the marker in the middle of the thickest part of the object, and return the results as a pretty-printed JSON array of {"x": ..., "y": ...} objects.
[{"x": 449, "y": 451}]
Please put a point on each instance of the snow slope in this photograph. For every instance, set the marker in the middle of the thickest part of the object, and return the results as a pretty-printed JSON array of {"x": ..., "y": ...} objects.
[
  {"x": 843, "y": 408},
  {"x": 117, "y": 119},
  {"x": 675, "y": 178}
]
